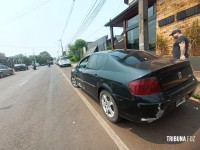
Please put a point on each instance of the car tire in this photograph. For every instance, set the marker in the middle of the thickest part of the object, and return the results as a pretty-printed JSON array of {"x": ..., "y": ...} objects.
[
  {"x": 1, "y": 75},
  {"x": 74, "y": 82},
  {"x": 109, "y": 106}
]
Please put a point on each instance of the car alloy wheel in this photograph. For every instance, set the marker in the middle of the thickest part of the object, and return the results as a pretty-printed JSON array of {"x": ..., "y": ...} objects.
[
  {"x": 73, "y": 81},
  {"x": 109, "y": 106}
]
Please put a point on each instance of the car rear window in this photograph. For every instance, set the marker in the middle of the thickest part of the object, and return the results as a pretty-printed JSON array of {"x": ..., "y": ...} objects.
[{"x": 132, "y": 58}]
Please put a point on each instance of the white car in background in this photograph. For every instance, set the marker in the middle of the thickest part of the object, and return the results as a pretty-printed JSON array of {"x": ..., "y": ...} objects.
[{"x": 64, "y": 61}]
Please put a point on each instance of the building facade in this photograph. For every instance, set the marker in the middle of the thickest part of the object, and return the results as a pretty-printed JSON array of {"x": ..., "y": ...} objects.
[
  {"x": 163, "y": 17},
  {"x": 96, "y": 46},
  {"x": 2, "y": 58}
]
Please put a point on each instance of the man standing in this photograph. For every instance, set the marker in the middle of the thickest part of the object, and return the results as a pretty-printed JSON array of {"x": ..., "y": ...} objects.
[{"x": 181, "y": 45}]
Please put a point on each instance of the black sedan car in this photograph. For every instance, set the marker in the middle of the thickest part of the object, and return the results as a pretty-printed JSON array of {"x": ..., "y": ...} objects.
[
  {"x": 20, "y": 67},
  {"x": 133, "y": 84}
]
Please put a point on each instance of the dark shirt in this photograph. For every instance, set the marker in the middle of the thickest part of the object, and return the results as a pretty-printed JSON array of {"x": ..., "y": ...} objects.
[{"x": 176, "y": 48}]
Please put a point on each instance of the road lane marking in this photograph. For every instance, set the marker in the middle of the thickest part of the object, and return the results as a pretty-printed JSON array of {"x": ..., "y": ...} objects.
[
  {"x": 23, "y": 83},
  {"x": 120, "y": 144}
]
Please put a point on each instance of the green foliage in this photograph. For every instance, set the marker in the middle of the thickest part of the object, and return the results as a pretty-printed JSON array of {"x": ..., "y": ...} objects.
[
  {"x": 43, "y": 57},
  {"x": 72, "y": 49},
  {"x": 21, "y": 59},
  {"x": 161, "y": 44},
  {"x": 76, "y": 50},
  {"x": 73, "y": 58},
  {"x": 193, "y": 33},
  {"x": 80, "y": 43},
  {"x": 197, "y": 96},
  {"x": 109, "y": 47}
]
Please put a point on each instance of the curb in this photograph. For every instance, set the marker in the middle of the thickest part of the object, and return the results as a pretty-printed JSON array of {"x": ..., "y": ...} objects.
[
  {"x": 194, "y": 99},
  {"x": 74, "y": 65}
]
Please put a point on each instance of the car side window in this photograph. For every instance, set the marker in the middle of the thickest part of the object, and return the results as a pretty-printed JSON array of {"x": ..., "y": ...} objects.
[
  {"x": 3, "y": 67},
  {"x": 97, "y": 61},
  {"x": 84, "y": 62}
]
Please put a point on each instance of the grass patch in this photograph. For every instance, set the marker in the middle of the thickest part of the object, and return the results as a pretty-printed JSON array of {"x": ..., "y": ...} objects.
[{"x": 197, "y": 96}]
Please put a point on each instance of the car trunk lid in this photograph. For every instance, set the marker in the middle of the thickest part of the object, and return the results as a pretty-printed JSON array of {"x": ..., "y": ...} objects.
[{"x": 170, "y": 72}]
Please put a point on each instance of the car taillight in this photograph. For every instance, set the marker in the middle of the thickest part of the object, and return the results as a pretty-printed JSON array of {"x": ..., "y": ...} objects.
[{"x": 145, "y": 86}]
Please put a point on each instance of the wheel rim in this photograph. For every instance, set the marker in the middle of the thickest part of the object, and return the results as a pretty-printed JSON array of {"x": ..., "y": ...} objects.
[
  {"x": 107, "y": 105},
  {"x": 73, "y": 81}
]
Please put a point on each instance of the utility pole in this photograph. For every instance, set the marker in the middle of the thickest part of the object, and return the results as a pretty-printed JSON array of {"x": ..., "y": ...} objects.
[
  {"x": 143, "y": 25},
  {"x": 61, "y": 45}
]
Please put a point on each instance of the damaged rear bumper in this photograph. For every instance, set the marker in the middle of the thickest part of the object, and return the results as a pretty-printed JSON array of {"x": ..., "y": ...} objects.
[{"x": 149, "y": 112}]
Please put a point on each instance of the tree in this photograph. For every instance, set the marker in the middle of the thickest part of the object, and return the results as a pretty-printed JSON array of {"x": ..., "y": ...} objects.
[
  {"x": 76, "y": 49},
  {"x": 43, "y": 57},
  {"x": 72, "y": 49},
  {"x": 79, "y": 45}
]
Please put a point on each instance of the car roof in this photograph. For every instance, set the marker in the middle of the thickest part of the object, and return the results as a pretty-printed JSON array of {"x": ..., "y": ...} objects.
[
  {"x": 126, "y": 51},
  {"x": 19, "y": 64}
]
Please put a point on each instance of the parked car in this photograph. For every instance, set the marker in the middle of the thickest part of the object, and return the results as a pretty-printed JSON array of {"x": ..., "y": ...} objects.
[
  {"x": 135, "y": 85},
  {"x": 5, "y": 71},
  {"x": 20, "y": 67},
  {"x": 64, "y": 61}
]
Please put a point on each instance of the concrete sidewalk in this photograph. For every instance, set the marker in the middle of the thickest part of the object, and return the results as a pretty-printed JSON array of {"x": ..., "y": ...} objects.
[
  {"x": 74, "y": 65},
  {"x": 195, "y": 62}
]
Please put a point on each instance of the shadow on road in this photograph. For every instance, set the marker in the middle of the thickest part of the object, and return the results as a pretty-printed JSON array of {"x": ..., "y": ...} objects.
[{"x": 184, "y": 121}]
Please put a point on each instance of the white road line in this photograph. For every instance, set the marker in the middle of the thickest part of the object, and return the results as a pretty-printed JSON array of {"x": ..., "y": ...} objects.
[
  {"x": 23, "y": 83},
  {"x": 120, "y": 144}
]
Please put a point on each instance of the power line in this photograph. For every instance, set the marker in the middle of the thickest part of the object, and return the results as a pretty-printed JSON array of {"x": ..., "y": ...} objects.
[
  {"x": 119, "y": 5},
  {"x": 88, "y": 13},
  {"x": 89, "y": 18},
  {"x": 26, "y": 13},
  {"x": 67, "y": 21},
  {"x": 95, "y": 31}
]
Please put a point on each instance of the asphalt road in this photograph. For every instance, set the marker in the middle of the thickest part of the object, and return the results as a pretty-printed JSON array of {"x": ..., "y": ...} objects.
[{"x": 40, "y": 110}]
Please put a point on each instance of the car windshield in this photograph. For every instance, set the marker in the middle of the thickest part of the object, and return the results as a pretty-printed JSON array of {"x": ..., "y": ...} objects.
[{"x": 131, "y": 58}]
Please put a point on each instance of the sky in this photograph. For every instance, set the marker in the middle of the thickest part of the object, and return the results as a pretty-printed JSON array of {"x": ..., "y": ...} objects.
[{"x": 33, "y": 26}]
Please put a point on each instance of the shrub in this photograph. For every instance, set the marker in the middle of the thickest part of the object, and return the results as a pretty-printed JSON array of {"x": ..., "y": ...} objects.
[
  {"x": 193, "y": 33},
  {"x": 161, "y": 44},
  {"x": 197, "y": 96}
]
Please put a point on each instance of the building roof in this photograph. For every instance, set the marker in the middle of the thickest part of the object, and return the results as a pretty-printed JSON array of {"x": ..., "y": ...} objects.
[{"x": 126, "y": 14}]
